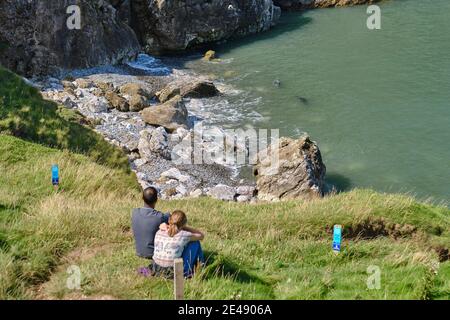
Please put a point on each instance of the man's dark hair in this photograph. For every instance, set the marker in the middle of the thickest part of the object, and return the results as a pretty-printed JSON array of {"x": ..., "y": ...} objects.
[{"x": 150, "y": 196}]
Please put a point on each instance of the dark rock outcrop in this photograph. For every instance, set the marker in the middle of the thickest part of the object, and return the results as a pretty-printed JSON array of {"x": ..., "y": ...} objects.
[
  {"x": 196, "y": 89},
  {"x": 34, "y": 38},
  {"x": 300, "y": 171},
  {"x": 174, "y": 25}
]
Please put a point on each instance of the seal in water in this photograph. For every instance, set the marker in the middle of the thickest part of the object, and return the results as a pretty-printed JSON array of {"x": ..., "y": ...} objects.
[
  {"x": 303, "y": 100},
  {"x": 277, "y": 83}
]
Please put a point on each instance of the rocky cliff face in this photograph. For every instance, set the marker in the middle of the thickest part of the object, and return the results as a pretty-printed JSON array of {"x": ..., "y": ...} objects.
[
  {"x": 307, "y": 4},
  {"x": 34, "y": 38},
  {"x": 174, "y": 25}
]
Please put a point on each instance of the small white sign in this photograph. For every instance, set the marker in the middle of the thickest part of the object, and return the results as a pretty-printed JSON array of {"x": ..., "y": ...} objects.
[
  {"x": 374, "y": 20},
  {"x": 73, "y": 22}
]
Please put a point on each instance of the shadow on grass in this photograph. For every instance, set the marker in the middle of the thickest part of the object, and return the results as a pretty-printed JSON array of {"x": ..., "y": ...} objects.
[{"x": 220, "y": 266}]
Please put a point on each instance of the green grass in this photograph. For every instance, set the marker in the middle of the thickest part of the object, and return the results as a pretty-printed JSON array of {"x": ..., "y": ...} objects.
[
  {"x": 263, "y": 251},
  {"x": 259, "y": 251},
  {"x": 32, "y": 214}
]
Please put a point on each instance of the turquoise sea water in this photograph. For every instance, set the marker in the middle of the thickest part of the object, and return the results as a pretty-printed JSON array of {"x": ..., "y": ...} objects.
[{"x": 376, "y": 101}]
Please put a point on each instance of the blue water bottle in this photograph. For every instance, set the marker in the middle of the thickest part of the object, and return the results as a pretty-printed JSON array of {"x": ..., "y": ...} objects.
[
  {"x": 55, "y": 175},
  {"x": 337, "y": 237}
]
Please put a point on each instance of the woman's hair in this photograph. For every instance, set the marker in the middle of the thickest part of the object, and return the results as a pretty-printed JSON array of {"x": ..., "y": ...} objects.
[{"x": 177, "y": 221}]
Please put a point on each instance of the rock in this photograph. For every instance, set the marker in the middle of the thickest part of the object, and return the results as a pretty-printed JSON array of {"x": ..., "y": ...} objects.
[
  {"x": 104, "y": 86},
  {"x": 79, "y": 93},
  {"x": 97, "y": 91},
  {"x": 209, "y": 55},
  {"x": 117, "y": 101},
  {"x": 181, "y": 190},
  {"x": 246, "y": 191},
  {"x": 243, "y": 199},
  {"x": 133, "y": 89},
  {"x": 300, "y": 173},
  {"x": 68, "y": 85},
  {"x": 143, "y": 180},
  {"x": 168, "y": 92},
  {"x": 154, "y": 141},
  {"x": 195, "y": 89},
  {"x": 170, "y": 115},
  {"x": 50, "y": 83},
  {"x": 68, "y": 103},
  {"x": 142, "y": 176},
  {"x": 97, "y": 104},
  {"x": 181, "y": 133},
  {"x": 71, "y": 92},
  {"x": 128, "y": 145},
  {"x": 63, "y": 97},
  {"x": 133, "y": 157},
  {"x": 169, "y": 193},
  {"x": 166, "y": 26},
  {"x": 174, "y": 173},
  {"x": 140, "y": 162},
  {"x": 222, "y": 192},
  {"x": 39, "y": 41},
  {"x": 138, "y": 103},
  {"x": 201, "y": 89},
  {"x": 84, "y": 84},
  {"x": 188, "y": 182},
  {"x": 197, "y": 193}
]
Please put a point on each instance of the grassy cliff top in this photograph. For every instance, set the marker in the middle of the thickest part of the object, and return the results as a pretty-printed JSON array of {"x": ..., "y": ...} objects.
[{"x": 271, "y": 251}]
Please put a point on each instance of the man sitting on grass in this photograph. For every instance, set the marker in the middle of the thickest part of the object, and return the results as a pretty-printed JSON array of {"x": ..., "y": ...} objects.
[{"x": 145, "y": 223}]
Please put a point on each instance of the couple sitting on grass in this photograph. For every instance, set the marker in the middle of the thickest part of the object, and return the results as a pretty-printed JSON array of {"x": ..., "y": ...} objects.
[{"x": 162, "y": 238}]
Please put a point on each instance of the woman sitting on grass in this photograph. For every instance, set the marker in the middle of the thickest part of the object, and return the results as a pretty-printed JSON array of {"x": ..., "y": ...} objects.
[{"x": 174, "y": 241}]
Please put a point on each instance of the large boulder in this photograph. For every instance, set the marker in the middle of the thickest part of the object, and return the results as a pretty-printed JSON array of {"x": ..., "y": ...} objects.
[
  {"x": 35, "y": 39},
  {"x": 154, "y": 142},
  {"x": 299, "y": 172},
  {"x": 117, "y": 101},
  {"x": 195, "y": 89},
  {"x": 222, "y": 192},
  {"x": 138, "y": 95},
  {"x": 138, "y": 103},
  {"x": 170, "y": 115},
  {"x": 132, "y": 89},
  {"x": 210, "y": 55},
  {"x": 97, "y": 104},
  {"x": 174, "y": 25}
]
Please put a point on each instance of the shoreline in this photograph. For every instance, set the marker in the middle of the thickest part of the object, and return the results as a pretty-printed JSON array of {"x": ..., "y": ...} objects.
[{"x": 150, "y": 149}]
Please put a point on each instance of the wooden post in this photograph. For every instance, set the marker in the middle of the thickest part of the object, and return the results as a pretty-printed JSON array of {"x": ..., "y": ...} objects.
[{"x": 178, "y": 281}]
